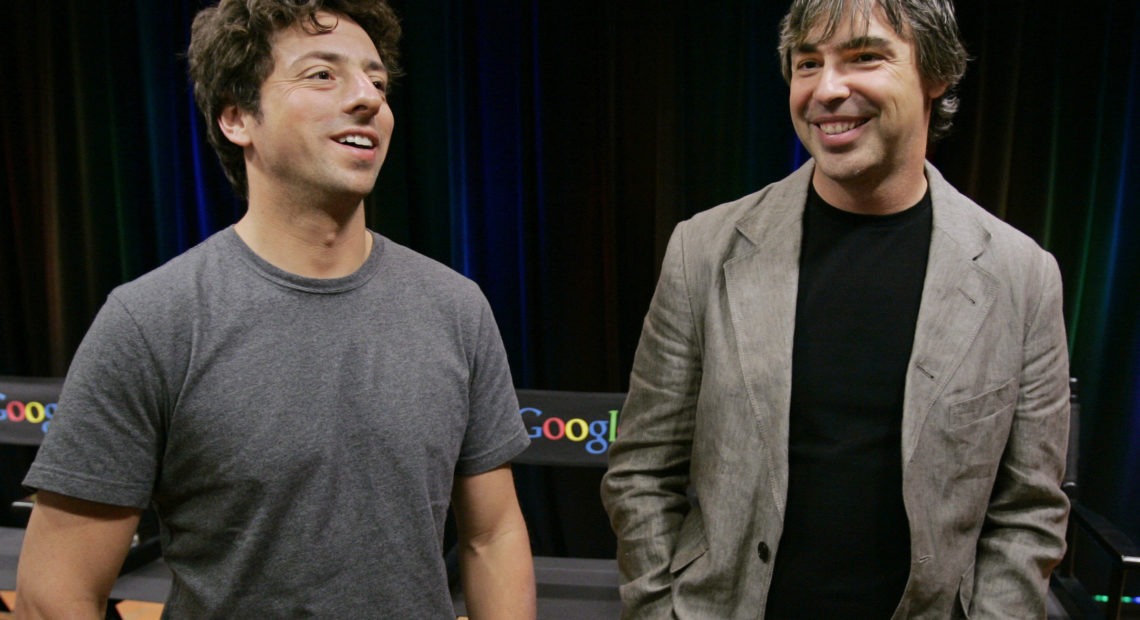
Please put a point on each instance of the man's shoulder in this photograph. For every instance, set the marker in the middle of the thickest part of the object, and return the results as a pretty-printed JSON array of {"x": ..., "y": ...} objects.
[
  {"x": 403, "y": 264},
  {"x": 173, "y": 279},
  {"x": 969, "y": 223},
  {"x": 770, "y": 206}
]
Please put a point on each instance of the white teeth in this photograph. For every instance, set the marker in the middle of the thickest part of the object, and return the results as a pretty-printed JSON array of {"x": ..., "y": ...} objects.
[
  {"x": 836, "y": 128},
  {"x": 357, "y": 141}
]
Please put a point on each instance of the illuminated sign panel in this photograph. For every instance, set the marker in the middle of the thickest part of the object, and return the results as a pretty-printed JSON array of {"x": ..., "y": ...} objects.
[
  {"x": 569, "y": 428},
  {"x": 27, "y": 405}
]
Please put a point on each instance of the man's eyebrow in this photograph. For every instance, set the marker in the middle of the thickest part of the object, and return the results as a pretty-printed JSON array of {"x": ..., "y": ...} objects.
[
  {"x": 865, "y": 42},
  {"x": 857, "y": 43},
  {"x": 807, "y": 48},
  {"x": 335, "y": 58}
]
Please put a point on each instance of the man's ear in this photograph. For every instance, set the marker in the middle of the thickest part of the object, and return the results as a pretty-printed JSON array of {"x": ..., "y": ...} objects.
[
  {"x": 936, "y": 90},
  {"x": 234, "y": 125}
]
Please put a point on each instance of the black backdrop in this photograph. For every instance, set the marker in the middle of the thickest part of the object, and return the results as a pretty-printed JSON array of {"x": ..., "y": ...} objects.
[{"x": 546, "y": 150}]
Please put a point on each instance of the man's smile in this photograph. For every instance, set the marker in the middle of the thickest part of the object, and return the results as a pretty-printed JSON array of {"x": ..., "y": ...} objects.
[
  {"x": 358, "y": 139},
  {"x": 832, "y": 128}
]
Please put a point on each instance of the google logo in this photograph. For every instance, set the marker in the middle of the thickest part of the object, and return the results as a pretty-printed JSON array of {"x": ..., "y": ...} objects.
[
  {"x": 31, "y": 412},
  {"x": 599, "y": 433}
]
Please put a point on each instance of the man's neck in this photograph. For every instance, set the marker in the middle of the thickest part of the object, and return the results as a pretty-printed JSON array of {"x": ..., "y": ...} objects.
[
  {"x": 873, "y": 196},
  {"x": 310, "y": 242}
]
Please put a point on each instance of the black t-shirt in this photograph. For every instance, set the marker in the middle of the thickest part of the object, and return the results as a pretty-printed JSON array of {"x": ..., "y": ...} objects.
[{"x": 845, "y": 550}]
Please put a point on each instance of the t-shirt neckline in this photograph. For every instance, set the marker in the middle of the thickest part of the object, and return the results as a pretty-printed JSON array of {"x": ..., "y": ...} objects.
[{"x": 290, "y": 280}]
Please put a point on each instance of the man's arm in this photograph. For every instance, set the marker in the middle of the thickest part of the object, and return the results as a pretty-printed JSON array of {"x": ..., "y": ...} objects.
[
  {"x": 73, "y": 551},
  {"x": 494, "y": 548},
  {"x": 1022, "y": 539},
  {"x": 644, "y": 489}
]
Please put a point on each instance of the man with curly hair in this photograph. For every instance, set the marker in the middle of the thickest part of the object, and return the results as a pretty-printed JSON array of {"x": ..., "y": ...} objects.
[
  {"x": 298, "y": 398},
  {"x": 850, "y": 398}
]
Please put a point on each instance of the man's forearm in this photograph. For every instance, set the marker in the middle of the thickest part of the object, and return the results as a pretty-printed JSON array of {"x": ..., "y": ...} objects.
[
  {"x": 31, "y": 605},
  {"x": 71, "y": 556},
  {"x": 498, "y": 576}
]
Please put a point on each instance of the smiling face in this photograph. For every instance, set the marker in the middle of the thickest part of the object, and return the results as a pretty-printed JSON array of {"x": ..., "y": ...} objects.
[
  {"x": 324, "y": 124},
  {"x": 861, "y": 109}
]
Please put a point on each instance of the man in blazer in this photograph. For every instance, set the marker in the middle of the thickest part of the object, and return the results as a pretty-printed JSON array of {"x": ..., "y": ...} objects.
[{"x": 850, "y": 398}]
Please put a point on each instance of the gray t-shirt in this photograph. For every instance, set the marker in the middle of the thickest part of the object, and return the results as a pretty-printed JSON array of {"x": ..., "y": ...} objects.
[{"x": 298, "y": 437}]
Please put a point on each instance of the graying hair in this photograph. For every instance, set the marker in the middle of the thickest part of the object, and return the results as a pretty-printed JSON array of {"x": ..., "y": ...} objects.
[{"x": 929, "y": 24}]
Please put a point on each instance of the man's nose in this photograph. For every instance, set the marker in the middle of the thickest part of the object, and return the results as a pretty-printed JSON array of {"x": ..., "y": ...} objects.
[
  {"x": 363, "y": 96},
  {"x": 832, "y": 84}
]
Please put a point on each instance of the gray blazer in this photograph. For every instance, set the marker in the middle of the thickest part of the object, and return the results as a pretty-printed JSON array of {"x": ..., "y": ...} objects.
[{"x": 698, "y": 475}]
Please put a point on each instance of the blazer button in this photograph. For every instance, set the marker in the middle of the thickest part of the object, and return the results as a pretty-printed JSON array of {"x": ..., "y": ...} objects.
[{"x": 763, "y": 551}]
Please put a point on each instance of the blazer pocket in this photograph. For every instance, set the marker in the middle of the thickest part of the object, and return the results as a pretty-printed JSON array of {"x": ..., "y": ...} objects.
[
  {"x": 979, "y": 428},
  {"x": 986, "y": 405},
  {"x": 966, "y": 592},
  {"x": 691, "y": 543}
]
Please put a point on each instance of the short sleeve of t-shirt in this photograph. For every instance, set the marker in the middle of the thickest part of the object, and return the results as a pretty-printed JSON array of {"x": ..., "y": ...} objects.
[
  {"x": 106, "y": 428},
  {"x": 495, "y": 430}
]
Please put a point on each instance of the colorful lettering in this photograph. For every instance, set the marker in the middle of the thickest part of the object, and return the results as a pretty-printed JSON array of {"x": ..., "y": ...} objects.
[
  {"x": 550, "y": 423},
  {"x": 32, "y": 412},
  {"x": 15, "y": 411},
  {"x": 601, "y": 433}
]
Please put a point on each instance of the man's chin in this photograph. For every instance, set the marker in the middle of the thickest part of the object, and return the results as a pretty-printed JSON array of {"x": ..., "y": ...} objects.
[{"x": 842, "y": 169}]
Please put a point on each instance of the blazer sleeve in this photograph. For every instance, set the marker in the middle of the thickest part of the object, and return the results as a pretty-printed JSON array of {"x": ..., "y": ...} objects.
[
  {"x": 644, "y": 488},
  {"x": 1022, "y": 538}
]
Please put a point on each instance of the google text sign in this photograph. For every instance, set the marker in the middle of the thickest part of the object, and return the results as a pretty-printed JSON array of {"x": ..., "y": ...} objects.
[
  {"x": 569, "y": 428},
  {"x": 565, "y": 428},
  {"x": 27, "y": 405}
]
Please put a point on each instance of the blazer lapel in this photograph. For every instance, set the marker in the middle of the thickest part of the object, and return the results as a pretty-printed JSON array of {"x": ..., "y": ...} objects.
[
  {"x": 760, "y": 283},
  {"x": 956, "y": 297}
]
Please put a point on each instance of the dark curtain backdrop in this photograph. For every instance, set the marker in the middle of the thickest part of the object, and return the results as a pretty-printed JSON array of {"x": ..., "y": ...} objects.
[{"x": 546, "y": 150}]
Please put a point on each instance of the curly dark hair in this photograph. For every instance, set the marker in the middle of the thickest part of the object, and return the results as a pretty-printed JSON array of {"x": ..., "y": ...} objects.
[
  {"x": 231, "y": 55},
  {"x": 929, "y": 24}
]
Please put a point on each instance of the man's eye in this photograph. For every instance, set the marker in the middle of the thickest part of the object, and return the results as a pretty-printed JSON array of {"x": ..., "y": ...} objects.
[
  {"x": 867, "y": 57},
  {"x": 807, "y": 64},
  {"x": 322, "y": 75},
  {"x": 380, "y": 86}
]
